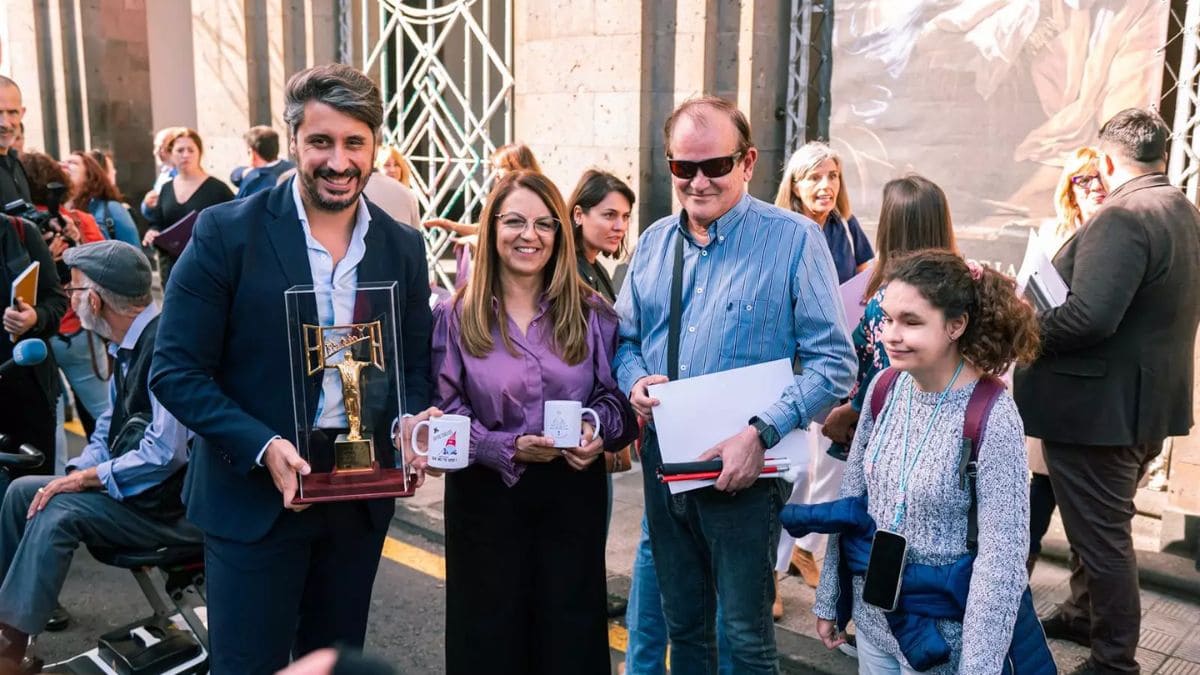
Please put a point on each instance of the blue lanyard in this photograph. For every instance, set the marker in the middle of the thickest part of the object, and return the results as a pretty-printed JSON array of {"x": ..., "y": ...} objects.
[{"x": 906, "y": 466}]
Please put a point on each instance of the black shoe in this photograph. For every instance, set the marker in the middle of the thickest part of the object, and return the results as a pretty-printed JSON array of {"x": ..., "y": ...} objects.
[
  {"x": 617, "y": 606},
  {"x": 1057, "y": 627},
  {"x": 60, "y": 618}
]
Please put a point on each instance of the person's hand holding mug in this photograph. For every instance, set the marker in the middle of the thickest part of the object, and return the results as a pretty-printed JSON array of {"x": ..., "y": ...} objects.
[
  {"x": 590, "y": 448},
  {"x": 447, "y": 440},
  {"x": 403, "y": 441},
  {"x": 534, "y": 449}
]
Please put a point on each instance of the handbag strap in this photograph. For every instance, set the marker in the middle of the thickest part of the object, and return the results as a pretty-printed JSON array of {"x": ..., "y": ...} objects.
[
  {"x": 109, "y": 225},
  {"x": 676, "y": 312}
]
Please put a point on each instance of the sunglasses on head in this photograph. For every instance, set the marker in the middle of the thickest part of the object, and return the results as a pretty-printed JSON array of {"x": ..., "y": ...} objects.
[{"x": 714, "y": 167}]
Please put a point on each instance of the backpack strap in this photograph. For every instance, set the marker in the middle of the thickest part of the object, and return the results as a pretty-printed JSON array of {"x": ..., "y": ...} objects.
[
  {"x": 979, "y": 407},
  {"x": 19, "y": 224},
  {"x": 883, "y": 386}
]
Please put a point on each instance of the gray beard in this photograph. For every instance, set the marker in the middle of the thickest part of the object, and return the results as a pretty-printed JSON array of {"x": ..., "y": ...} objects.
[{"x": 94, "y": 323}]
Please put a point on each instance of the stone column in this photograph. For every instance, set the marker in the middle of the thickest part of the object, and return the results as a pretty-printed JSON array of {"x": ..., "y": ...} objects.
[
  {"x": 221, "y": 73},
  {"x": 1181, "y": 517}
]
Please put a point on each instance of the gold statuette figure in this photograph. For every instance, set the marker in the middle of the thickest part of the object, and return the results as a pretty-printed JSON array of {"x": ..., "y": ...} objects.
[{"x": 353, "y": 452}]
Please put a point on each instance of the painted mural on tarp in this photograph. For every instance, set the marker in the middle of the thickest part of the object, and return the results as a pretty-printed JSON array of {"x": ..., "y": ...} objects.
[{"x": 986, "y": 98}]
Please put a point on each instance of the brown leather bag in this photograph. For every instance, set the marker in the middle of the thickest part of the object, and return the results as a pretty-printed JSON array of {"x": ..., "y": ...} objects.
[{"x": 619, "y": 461}]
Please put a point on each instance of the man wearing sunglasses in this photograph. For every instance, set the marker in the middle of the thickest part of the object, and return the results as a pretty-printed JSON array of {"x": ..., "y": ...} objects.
[{"x": 749, "y": 283}]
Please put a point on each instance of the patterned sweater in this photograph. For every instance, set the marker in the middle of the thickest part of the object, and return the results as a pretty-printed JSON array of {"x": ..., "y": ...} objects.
[{"x": 936, "y": 518}]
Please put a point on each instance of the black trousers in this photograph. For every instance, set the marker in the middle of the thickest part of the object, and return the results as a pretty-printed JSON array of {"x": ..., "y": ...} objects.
[
  {"x": 305, "y": 585},
  {"x": 26, "y": 417},
  {"x": 525, "y": 589},
  {"x": 1094, "y": 487},
  {"x": 1041, "y": 511}
]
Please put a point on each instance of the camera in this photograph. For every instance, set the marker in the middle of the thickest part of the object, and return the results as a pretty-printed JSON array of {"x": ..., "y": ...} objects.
[{"x": 48, "y": 222}]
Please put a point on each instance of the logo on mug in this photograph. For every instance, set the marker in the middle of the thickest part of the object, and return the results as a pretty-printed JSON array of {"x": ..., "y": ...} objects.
[{"x": 451, "y": 447}]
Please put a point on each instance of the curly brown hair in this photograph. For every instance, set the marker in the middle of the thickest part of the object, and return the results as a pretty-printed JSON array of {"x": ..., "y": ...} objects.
[
  {"x": 1001, "y": 328},
  {"x": 95, "y": 185},
  {"x": 42, "y": 170}
]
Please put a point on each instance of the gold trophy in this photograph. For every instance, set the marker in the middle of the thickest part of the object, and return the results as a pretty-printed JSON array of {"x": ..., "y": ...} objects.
[{"x": 353, "y": 451}]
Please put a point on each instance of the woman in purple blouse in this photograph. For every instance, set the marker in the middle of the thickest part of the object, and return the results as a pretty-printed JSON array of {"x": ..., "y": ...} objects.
[{"x": 525, "y": 578}]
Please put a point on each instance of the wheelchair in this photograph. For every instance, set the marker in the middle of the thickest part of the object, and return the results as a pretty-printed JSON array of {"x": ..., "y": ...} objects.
[{"x": 173, "y": 640}]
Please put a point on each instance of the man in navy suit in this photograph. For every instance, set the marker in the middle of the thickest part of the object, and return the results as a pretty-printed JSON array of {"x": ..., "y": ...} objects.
[{"x": 284, "y": 579}]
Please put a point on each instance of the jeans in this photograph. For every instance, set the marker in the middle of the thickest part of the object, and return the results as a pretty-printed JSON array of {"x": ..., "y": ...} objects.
[
  {"x": 646, "y": 652},
  {"x": 711, "y": 545},
  {"x": 874, "y": 661},
  {"x": 75, "y": 360}
]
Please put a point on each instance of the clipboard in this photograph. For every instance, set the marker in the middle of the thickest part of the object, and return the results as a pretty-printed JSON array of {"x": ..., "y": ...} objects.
[
  {"x": 696, "y": 413},
  {"x": 175, "y": 238}
]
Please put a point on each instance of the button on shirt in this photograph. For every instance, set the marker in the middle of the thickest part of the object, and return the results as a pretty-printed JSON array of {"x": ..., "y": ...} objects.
[
  {"x": 163, "y": 448},
  {"x": 763, "y": 288},
  {"x": 337, "y": 288}
]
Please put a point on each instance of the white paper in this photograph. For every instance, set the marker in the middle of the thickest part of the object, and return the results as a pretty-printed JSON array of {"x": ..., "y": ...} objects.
[
  {"x": 1037, "y": 277},
  {"x": 852, "y": 297},
  {"x": 697, "y": 413}
]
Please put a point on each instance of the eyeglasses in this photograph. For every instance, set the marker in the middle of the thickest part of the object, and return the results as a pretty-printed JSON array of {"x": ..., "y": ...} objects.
[
  {"x": 515, "y": 222},
  {"x": 1086, "y": 181},
  {"x": 75, "y": 289},
  {"x": 714, "y": 167}
]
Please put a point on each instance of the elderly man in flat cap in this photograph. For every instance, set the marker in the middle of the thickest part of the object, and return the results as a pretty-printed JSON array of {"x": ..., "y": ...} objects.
[{"x": 123, "y": 491}]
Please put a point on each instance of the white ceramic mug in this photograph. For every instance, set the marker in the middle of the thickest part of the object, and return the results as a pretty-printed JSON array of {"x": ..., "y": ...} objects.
[
  {"x": 449, "y": 441},
  {"x": 564, "y": 422}
]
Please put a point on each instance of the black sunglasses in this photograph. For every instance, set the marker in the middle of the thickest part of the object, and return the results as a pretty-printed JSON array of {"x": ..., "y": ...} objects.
[{"x": 714, "y": 167}]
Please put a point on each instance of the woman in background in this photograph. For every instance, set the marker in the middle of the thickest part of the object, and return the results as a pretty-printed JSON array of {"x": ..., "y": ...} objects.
[
  {"x": 914, "y": 216},
  {"x": 392, "y": 164},
  {"x": 192, "y": 189},
  {"x": 93, "y": 191},
  {"x": 812, "y": 186},
  {"x": 1078, "y": 197}
]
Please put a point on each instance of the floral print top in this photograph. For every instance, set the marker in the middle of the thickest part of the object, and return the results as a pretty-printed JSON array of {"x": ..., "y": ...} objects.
[{"x": 868, "y": 346}]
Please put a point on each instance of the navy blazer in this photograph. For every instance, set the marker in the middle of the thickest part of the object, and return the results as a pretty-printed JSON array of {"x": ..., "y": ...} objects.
[{"x": 221, "y": 363}]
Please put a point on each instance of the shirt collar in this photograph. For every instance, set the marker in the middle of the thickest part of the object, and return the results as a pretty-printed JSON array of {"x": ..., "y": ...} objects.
[
  {"x": 362, "y": 216},
  {"x": 135, "y": 329},
  {"x": 722, "y": 225},
  {"x": 543, "y": 305}
]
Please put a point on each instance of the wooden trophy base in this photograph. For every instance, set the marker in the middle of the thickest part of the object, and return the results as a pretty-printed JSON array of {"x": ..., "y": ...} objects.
[{"x": 356, "y": 475}]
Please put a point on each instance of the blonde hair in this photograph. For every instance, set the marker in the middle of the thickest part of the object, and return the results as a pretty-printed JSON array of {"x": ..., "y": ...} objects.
[
  {"x": 482, "y": 299},
  {"x": 515, "y": 157},
  {"x": 164, "y": 138},
  {"x": 391, "y": 152},
  {"x": 1065, "y": 207},
  {"x": 803, "y": 162}
]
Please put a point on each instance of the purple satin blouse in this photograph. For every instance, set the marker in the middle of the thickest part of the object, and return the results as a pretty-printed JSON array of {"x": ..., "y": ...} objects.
[{"x": 504, "y": 394}]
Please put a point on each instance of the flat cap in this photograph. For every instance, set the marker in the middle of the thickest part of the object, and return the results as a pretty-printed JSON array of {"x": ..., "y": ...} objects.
[{"x": 116, "y": 266}]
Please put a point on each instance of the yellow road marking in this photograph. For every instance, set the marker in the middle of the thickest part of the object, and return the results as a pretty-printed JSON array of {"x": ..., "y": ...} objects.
[
  {"x": 419, "y": 559},
  {"x": 74, "y": 427},
  {"x": 433, "y": 565},
  {"x": 618, "y": 637}
]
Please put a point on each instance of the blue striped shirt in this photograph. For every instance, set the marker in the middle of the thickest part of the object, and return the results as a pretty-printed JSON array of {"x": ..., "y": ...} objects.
[{"x": 763, "y": 288}]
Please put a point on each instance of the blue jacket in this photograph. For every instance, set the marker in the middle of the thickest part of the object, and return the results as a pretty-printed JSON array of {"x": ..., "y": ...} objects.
[
  {"x": 262, "y": 178},
  {"x": 927, "y": 593}
]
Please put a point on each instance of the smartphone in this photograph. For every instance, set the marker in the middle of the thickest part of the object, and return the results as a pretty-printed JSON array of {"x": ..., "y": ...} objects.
[{"x": 885, "y": 569}]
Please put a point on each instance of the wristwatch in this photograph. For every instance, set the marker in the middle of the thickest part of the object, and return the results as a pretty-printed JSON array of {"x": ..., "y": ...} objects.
[{"x": 767, "y": 434}]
